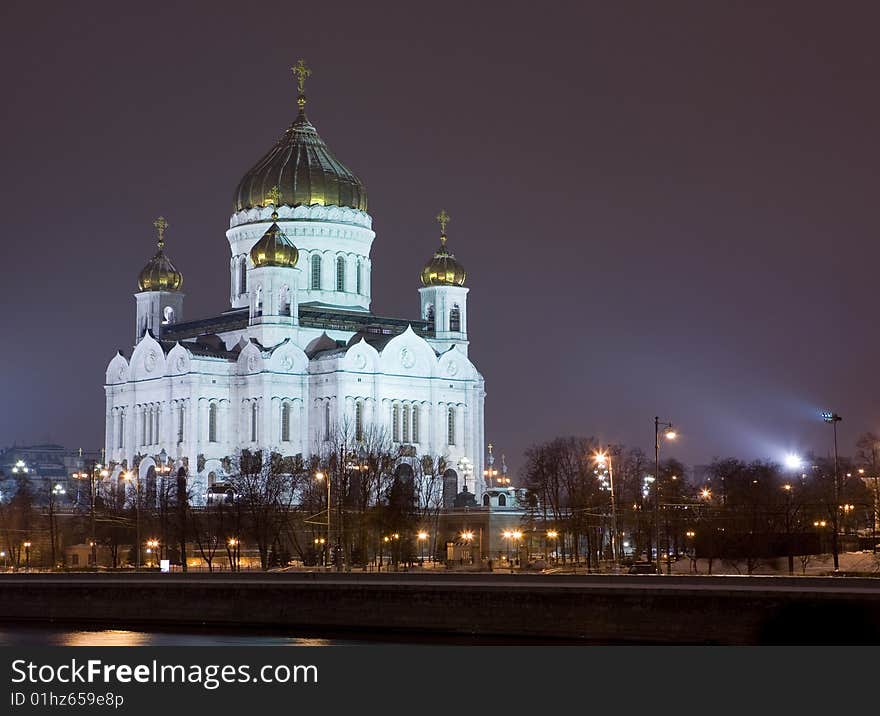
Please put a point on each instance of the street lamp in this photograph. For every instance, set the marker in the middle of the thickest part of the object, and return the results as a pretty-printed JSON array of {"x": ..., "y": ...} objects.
[
  {"x": 321, "y": 477},
  {"x": 468, "y": 537},
  {"x": 670, "y": 434},
  {"x": 94, "y": 471},
  {"x": 552, "y": 535},
  {"x": 234, "y": 544},
  {"x": 27, "y": 555},
  {"x": 602, "y": 460},
  {"x": 834, "y": 418},
  {"x": 131, "y": 476},
  {"x": 422, "y": 538}
]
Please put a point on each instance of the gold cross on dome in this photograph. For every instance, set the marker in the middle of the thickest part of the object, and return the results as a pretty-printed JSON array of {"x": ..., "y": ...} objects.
[
  {"x": 302, "y": 74},
  {"x": 161, "y": 225},
  {"x": 273, "y": 195},
  {"x": 443, "y": 218}
]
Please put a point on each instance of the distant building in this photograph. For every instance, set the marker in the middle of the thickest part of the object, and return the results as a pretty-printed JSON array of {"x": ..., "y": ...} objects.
[{"x": 44, "y": 467}]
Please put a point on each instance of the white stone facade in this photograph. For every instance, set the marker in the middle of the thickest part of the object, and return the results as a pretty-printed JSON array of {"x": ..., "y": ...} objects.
[{"x": 298, "y": 352}]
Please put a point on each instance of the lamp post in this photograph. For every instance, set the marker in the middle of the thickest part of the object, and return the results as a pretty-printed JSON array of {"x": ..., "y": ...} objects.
[
  {"x": 552, "y": 535},
  {"x": 234, "y": 545},
  {"x": 321, "y": 477},
  {"x": 56, "y": 492},
  {"x": 670, "y": 434},
  {"x": 96, "y": 469},
  {"x": 27, "y": 556},
  {"x": 603, "y": 459},
  {"x": 422, "y": 538},
  {"x": 130, "y": 476},
  {"x": 834, "y": 418},
  {"x": 468, "y": 537}
]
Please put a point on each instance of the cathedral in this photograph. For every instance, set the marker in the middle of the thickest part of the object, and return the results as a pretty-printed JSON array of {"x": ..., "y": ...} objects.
[{"x": 299, "y": 352}]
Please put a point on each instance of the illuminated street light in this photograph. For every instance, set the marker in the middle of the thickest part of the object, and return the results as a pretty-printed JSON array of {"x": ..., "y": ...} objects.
[
  {"x": 131, "y": 476},
  {"x": 320, "y": 477},
  {"x": 603, "y": 459},
  {"x": 834, "y": 418},
  {"x": 27, "y": 555},
  {"x": 706, "y": 493},
  {"x": 670, "y": 434},
  {"x": 793, "y": 462}
]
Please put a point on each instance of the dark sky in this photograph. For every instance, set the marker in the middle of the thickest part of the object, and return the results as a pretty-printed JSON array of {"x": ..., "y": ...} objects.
[{"x": 664, "y": 208}]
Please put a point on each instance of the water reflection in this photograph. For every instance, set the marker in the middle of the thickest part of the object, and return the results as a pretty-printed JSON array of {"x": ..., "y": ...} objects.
[
  {"x": 35, "y": 635},
  {"x": 108, "y": 637}
]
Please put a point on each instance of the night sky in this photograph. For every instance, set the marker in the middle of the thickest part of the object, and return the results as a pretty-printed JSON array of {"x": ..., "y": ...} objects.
[{"x": 663, "y": 208}]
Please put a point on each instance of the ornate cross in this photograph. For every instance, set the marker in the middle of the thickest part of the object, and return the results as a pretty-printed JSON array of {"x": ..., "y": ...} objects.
[
  {"x": 161, "y": 225},
  {"x": 443, "y": 219},
  {"x": 302, "y": 73},
  {"x": 273, "y": 195}
]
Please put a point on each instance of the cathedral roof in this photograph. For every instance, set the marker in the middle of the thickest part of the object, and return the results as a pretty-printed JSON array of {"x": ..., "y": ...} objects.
[
  {"x": 443, "y": 269},
  {"x": 300, "y": 170},
  {"x": 274, "y": 248},
  {"x": 160, "y": 274}
]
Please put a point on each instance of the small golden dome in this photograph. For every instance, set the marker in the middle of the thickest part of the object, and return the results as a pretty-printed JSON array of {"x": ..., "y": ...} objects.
[
  {"x": 443, "y": 269},
  {"x": 274, "y": 248},
  {"x": 160, "y": 274}
]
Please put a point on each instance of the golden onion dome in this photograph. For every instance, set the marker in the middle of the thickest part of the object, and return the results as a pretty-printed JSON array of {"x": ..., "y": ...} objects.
[
  {"x": 274, "y": 248},
  {"x": 443, "y": 269},
  {"x": 300, "y": 170},
  {"x": 160, "y": 274}
]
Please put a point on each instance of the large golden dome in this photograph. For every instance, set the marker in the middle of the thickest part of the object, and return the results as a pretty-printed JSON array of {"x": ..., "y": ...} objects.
[
  {"x": 160, "y": 274},
  {"x": 443, "y": 269},
  {"x": 274, "y": 248},
  {"x": 300, "y": 170}
]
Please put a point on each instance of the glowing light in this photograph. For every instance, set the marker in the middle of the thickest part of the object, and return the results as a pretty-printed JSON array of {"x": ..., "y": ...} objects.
[
  {"x": 705, "y": 493},
  {"x": 422, "y": 535},
  {"x": 552, "y": 534},
  {"x": 670, "y": 434},
  {"x": 793, "y": 462},
  {"x": 467, "y": 536}
]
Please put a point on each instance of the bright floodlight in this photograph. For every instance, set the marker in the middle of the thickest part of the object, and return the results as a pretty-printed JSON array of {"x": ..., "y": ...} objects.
[
  {"x": 793, "y": 462},
  {"x": 671, "y": 434}
]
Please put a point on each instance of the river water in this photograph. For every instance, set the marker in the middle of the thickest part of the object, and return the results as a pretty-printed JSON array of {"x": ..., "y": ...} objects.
[{"x": 54, "y": 635}]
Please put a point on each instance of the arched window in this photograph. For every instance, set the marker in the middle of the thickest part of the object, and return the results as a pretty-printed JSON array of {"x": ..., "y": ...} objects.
[
  {"x": 429, "y": 316},
  {"x": 212, "y": 423},
  {"x": 181, "y": 419},
  {"x": 120, "y": 442},
  {"x": 156, "y": 414},
  {"x": 455, "y": 319},
  {"x": 285, "y": 423},
  {"x": 405, "y": 423},
  {"x": 415, "y": 424},
  {"x": 242, "y": 276},
  {"x": 258, "y": 304},
  {"x": 143, "y": 414},
  {"x": 168, "y": 315},
  {"x": 358, "y": 270},
  {"x": 359, "y": 421},
  {"x": 340, "y": 273},
  {"x": 502, "y": 501},
  {"x": 450, "y": 426},
  {"x": 254, "y": 421},
  {"x": 395, "y": 423},
  {"x": 327, "y": 420},
  {"x": 316, "y": 273},
  {"x": 485, "y": 500}
]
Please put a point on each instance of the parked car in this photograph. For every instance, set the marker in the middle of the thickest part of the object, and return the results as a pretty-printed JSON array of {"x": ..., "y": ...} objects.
[{"x": 642, "y": 568}]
